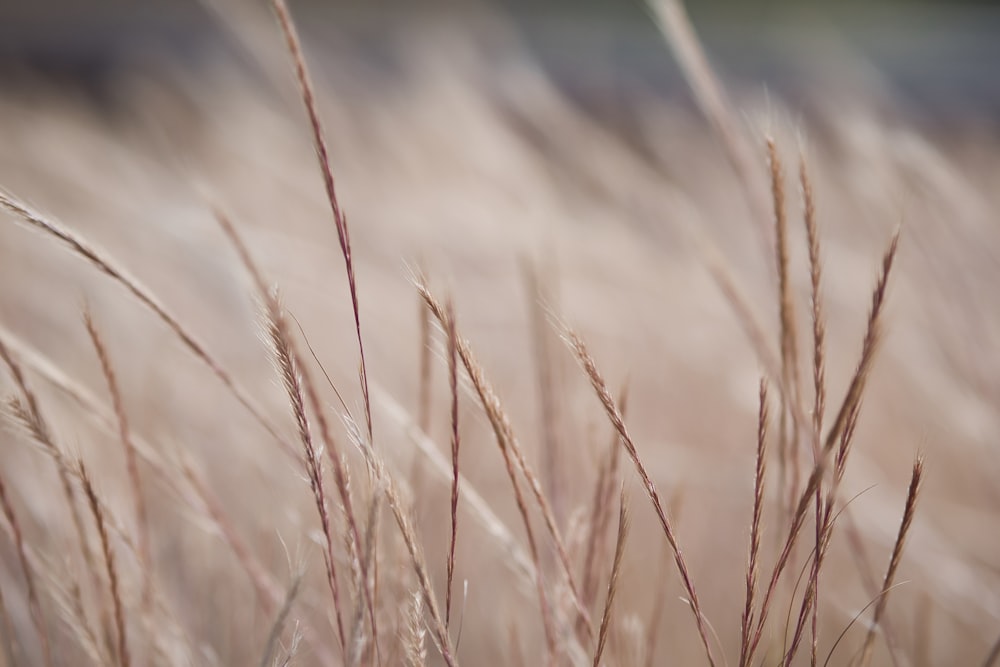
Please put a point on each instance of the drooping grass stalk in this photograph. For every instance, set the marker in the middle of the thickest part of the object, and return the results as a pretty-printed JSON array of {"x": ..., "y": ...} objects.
[
  {"x": 579, "y": 348},
  {"x": 131, "y": 458},
  {"x": 301, "y": 390},
  {"x": 897, "y": 552},
  {"x": 110, "y": 267},
  {"x": 322, "y": 154}
]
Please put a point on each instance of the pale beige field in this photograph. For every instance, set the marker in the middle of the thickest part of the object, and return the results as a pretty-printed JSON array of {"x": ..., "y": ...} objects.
[{"x": 467, "y": 161}]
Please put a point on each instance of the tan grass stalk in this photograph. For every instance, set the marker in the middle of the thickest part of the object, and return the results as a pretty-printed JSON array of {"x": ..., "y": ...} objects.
[
  {"x": 97, "y": 511},
  {"x": 614, "y": 414},
  {"x": 299, "y": 386},
  {"x": 753, "y": 566},
  {"x": 34, "y": 605},
  {"x": 107, "y": 265},
  {"x": 788, "y": 451},
  {"x": 291, "y": 378},
  {"x": 819, "y": 369},
  {"x": 131, "y": 459},
  {"x": 509, "y": 446},
  {"x": 623, "y": 524},
  {"x": 600, "y": 509},
  {"x": 818, "y": 315},
  {"x": 455, "y": 444},
  {"x": 897, "y": 552},
  {"x": 842, "y": 426},
  {"x": 322, "y": 154}
]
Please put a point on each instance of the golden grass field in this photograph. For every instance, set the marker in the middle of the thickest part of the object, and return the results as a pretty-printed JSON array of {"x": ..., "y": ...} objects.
[{"x": 165, "y": 522}]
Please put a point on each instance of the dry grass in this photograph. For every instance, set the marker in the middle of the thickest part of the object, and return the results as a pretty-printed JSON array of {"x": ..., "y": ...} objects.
[{"x": 473, "y": 495}]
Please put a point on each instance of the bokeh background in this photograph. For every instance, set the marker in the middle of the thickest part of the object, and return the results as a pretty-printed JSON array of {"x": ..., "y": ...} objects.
[{"x": 487, "y": 143}]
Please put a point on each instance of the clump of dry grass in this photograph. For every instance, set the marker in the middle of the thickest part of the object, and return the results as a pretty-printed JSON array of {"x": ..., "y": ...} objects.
[{"x": 367, "y": 621}]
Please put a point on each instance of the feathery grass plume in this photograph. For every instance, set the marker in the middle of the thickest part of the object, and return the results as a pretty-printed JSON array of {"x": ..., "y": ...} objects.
[
  {"x": 322, "y": 154},
  {"x": 842, "y": 425},
  {"x": 278, "y": 627},
  {"x": 509, "y": 446},
  {"x": 455, "y": 444},
  {"x": 131, "y": 460},
  {"x": 97, "y": 512},
  {"x": 547, "y": 377},
  {"x": 579, "y": 349},
  {"x": 600, "y": 508},
  {"x": 414, "y": 633},
  {"x": 753, "y": 567},
  {"x": 34, "y": 605},
  {"x": 788, "y": 450},
  {"x": 107, "y": 265},
  {"x": 623, "y": 524},
  {"x": 897, "y": 553}
]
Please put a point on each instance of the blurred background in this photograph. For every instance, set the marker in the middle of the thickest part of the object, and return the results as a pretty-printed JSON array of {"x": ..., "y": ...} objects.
[{"x": 521, "y": 153}]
